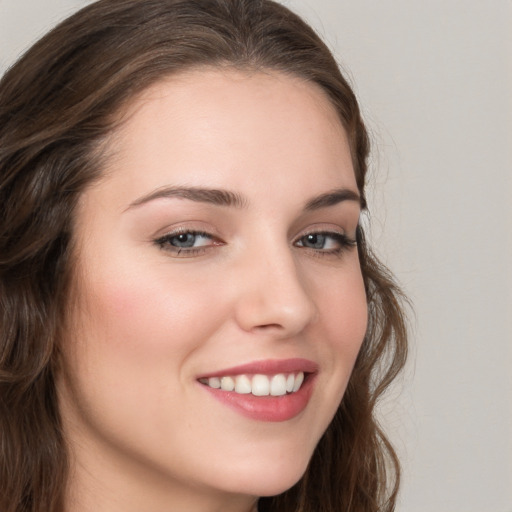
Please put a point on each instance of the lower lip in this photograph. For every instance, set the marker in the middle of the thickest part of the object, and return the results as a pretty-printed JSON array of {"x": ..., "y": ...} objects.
[{"x": 267, "y": 408}]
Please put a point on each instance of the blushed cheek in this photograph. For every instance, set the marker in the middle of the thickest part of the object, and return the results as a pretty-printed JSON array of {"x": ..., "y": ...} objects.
[
  {"x": 120, "y": 307},
  {"x": 346, "y": 315},
  {"x": 354, "y": 327},
  {"x": 150, "y": 316}
]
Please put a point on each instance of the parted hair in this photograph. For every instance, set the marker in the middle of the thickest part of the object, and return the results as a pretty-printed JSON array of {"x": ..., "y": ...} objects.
[{"x": 58, "y": 105}]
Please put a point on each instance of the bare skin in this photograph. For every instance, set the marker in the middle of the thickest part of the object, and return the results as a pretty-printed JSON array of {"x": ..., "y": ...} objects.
[{"x": 174, "y": 285}]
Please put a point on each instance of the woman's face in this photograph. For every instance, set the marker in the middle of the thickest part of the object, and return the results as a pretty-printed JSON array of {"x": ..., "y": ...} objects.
[{"x": 217, "y": 250}]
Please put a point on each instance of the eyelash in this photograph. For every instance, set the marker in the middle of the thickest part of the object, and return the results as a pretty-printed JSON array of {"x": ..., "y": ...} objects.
[
  {"x": 164, "y": 242},
  {"x": 343, "y": 241}
]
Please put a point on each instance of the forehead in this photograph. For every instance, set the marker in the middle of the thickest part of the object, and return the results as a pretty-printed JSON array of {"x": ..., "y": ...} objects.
[{"x": 212, "y": 126}]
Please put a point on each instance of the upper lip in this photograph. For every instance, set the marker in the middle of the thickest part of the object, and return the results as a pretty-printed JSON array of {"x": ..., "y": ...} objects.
[{"x": 268, "y": 367}]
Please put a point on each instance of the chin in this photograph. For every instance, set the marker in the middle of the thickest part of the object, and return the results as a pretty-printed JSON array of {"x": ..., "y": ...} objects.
[{"x": 270, "y": 479}]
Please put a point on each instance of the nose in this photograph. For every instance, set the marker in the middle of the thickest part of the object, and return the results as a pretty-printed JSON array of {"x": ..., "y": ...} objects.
[{"x": 272, "y": 295}]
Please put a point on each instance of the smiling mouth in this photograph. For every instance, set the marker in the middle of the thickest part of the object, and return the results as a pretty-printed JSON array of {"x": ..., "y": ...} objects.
[
  {"x": 259, "y": 385},
  {"x": 271, "y": 390}
]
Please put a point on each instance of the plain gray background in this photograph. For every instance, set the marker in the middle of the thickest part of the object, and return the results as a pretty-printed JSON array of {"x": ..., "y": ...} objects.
[{"x": 435, "y": 82}]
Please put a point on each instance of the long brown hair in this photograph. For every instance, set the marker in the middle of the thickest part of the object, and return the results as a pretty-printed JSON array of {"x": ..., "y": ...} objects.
[{"x": 58, "y": 105}]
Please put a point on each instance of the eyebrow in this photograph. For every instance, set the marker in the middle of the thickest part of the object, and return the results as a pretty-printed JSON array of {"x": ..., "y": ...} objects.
[
  {"x": 213, "y": 196},
  {"x": 221, "y": 197},
  {"x": 332, "y": 198}
]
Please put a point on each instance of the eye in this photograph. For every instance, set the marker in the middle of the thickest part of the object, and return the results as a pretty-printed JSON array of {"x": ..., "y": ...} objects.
[
  {"x": 186, "y": 242},
  {"x": 326, "y": 242}
]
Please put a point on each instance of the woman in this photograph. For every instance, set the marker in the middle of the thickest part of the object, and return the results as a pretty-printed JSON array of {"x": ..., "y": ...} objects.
[{"x": 191, "y": 318}]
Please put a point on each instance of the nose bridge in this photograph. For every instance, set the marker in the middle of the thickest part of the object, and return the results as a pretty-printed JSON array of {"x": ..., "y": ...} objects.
[{"x": 272, "y": 291}]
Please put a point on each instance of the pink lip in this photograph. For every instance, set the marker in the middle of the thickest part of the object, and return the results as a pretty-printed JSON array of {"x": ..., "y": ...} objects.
[
  {"x": 267, "y": 367},
  {"x": 268, "y": 408}
]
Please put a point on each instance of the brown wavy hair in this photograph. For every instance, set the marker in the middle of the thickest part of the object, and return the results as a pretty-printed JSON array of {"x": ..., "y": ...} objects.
[{"x": 58, "y": 105}]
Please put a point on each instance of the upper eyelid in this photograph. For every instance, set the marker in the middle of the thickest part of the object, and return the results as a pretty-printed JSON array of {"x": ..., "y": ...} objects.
[
  {"x": 180, "y": 229},
  {"x": 327, "y": 231},
  {"x": 340, "y": 224},
  {"x": 196, "y": 232},
  {"x": 213, "y": 233},
  {"x": 321, "y": 229}
]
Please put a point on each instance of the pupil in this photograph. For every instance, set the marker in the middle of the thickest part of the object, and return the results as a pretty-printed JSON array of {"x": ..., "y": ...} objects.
[
  {"x": 316, "y": 241},
  {"x": 184, "y": 240}
]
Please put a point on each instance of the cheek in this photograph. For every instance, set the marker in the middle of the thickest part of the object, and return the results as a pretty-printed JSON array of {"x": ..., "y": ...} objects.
[
  {"x": 343, "y": 316},
  {"x": 128, "y": 357},
  {"x": 344, "y": 309},
  {"x": 155, "y": 313},
  {"x": 134, "y": 336}
]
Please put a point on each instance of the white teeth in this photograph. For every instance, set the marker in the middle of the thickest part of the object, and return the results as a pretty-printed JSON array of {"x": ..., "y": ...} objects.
[
  {"x": 227, "y": 384},
  {"x": 278, "y": 385},
  {"x": 259, "y": 385},
  {"x": 298, "y": 381},
  {"x": 214, "y": 382},
  {"x": 243, "y": 385},
  {"x": 290, "y": 381}
]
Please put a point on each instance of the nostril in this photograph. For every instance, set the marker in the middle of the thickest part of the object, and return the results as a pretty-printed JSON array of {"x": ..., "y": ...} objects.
[
  {"x": 273, "y": 297},
  {"x": 269, "y": 327}
]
